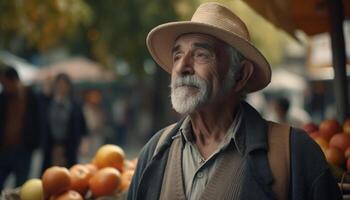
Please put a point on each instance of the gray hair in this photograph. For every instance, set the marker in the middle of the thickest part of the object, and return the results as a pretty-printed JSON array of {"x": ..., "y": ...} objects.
[{"x": 235, "y": 59}]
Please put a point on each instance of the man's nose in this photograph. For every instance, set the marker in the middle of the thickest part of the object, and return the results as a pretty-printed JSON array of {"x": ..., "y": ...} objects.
[{"x": 185, "y": 67}]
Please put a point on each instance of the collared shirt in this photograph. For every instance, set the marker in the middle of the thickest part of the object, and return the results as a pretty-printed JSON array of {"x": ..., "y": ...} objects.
[{"x": 196, "y": 170}]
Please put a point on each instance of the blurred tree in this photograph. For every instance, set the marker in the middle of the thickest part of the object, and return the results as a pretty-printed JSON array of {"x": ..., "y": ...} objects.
[
  {"x": 106, "y": 31},
  {"x": 40, "y": 24},
  {"x": 120, "y": 28}
]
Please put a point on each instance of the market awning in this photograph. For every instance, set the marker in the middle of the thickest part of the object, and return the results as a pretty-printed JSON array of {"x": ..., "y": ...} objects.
[
  {"x": 313, "y": 17},
  {"x": 79, "y": 69}
]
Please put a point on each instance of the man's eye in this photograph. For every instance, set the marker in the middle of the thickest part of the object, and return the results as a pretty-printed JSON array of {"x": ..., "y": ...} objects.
[
  {"x": 176, "y": 57},
  {"x": 201, "y": 54}
]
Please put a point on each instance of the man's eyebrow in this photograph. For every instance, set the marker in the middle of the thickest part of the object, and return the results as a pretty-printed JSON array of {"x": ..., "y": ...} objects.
[
  {"x": 204, "y": 46},
  {"x": 176, "y": 48},
  {"x": 197, "y": 44}
]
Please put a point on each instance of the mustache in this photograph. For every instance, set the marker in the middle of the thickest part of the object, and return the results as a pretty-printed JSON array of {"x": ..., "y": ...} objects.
[{"x": 190, "y": 80}]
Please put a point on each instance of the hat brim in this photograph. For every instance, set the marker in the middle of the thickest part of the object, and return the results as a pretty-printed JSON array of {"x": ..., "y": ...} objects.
[{"x": 161, "y": 39}]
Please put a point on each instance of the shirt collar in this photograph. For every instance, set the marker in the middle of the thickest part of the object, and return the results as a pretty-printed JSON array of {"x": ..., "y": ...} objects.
[
  {"x": 233, "y": 133},
  {"x": 186, "y": 130}
]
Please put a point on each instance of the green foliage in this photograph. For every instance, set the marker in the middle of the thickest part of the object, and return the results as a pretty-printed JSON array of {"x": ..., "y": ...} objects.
[
  {"x": 40, "y": 24},
  {"x": 107, "y": 31},
  {"x": 121, "y": 27}
]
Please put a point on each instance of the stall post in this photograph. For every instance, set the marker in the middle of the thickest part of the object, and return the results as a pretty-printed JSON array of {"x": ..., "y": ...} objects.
[{"x": 336, "y": 14}]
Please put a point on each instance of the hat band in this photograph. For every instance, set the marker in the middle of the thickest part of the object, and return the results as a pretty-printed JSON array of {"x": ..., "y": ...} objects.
[{"x": 221, "y": 22}]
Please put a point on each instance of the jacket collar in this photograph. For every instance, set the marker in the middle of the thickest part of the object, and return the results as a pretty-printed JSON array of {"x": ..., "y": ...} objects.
[
  {"x": 168, "y": 140},
  {"x": 255, "y": 129}
]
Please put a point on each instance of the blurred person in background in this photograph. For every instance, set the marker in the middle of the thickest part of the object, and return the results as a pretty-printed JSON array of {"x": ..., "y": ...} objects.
[
  {"x": 223, "y": 148},
  {"x": 283, "y": 112},
  {"x": 19, "y": 127},
  {"x": 63, "y": 124},
  {"x": 96, "y": 125},
  {"x": 121, "y": 119},
  {"x": 316, "y": 99},
  {"x": 281, "y": 108}
]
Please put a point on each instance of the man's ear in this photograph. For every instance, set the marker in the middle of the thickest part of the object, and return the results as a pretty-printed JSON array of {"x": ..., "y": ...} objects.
[{"x": 247, "y": 69}]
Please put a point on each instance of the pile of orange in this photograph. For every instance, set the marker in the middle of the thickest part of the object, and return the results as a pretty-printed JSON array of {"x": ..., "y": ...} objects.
[
  {"x": 334, "y": 140},
  {"x": 109, "y": 173}
]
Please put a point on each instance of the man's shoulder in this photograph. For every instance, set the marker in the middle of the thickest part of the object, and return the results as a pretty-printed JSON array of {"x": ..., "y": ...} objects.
[
  {"x": 159, "y": 141},
  {"x": 302, "y": 142},
  {"x": 304, "y": 148},
  {"x": 154, "y": 143},
  {"x": 302, "y": 139},
  {"x": 145, "y": 159}
]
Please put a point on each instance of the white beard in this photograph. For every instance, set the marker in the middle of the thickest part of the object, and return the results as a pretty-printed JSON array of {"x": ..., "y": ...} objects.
[{"x": 185, "y": 99}]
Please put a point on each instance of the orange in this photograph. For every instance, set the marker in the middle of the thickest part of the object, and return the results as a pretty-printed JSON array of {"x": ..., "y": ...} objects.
[
  {"x": 80, "y": 175},
  {"x": 129, "y": 165},
  {"x": 335, "y": 156},
  {"x": 110, "y": 155},
  {"x": 126, "y": 180},
  {"x": 346, "y": 126},
  {"x": 341, "y": 141},
  {"x": 56, "y": 180},
  {"x": 91, "y": 167},
  {"x": 105, "y": 182},
  {"x": 68, "y": 195},
  {"x": 328, "y": 128},
  {"x": 93, "y": 161},
  {"x": 135, "y": 160}
]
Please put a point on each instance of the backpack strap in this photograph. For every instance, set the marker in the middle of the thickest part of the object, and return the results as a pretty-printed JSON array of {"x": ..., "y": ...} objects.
[
  {"x": 279, "y": 158},
  {"x": 166, "y": 131}
]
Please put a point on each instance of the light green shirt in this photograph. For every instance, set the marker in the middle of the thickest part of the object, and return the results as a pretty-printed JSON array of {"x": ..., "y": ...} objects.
[{"x": 196, "y": 170}]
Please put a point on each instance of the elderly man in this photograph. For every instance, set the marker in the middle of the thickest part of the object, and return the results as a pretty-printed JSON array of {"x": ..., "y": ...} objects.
[{"x": 222, "y": 148}]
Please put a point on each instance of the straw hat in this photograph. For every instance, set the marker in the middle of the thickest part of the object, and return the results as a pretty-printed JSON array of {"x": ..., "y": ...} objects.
[{"x": 216, "y": 20}]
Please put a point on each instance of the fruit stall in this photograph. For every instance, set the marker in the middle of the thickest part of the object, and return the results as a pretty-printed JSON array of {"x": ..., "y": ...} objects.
[
  {"x": 107, "y": 176},
  {"x": 334, "y": 141}
]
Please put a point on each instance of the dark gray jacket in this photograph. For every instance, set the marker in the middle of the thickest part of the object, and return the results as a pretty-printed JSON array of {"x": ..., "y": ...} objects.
[{"x": 310, "y": 176}]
